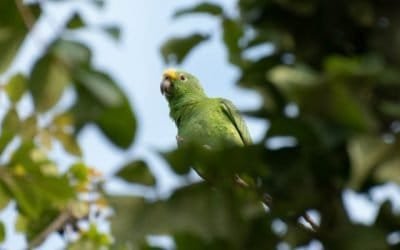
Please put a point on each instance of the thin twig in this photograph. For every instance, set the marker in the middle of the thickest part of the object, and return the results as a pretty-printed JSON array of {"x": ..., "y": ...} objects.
[{"x": 310, "y": 221}]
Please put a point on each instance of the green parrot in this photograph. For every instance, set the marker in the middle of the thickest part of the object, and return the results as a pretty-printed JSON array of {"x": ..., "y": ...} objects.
[{"x": 211, "y": 122}]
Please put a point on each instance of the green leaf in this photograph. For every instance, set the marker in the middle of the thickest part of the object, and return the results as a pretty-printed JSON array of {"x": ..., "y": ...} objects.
[
  {"x": 29, "y": 128},
  {"x": 27, "y": 200},
  {"x": 69, "y": 143},
  {"x": 4, "y": 196},
  {"x": 49, "y": 78},
  {"x": 389, "y": 170},
  {"x": 113, "y": 31},
  {"x": 202, "y": 8},
  {"x": 198, "y": 209},
  {"x": 75, "y": 21},
  {"x": 365, "y": 153},
  {"x": 101, "y": 101},
  {"x": 176, "y": 49},
  {"x": 13, "y": 30},
  {"x": 9, "y": 128},
  {"x": 137, "y": 172},
  {"x": 15, "y": 88},
  {"x": 101, "y": 86},
  {"x": 289, "y": 78},
  {"x": 73, "y": 54},
  {"x": 233, "y": 31},
  {"x": 2, "y": 232},
  {"x": 79, "y": 172}
]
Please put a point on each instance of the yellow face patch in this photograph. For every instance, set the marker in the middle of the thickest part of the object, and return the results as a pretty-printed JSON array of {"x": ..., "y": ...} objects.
[{"x": 171, "y": 74}]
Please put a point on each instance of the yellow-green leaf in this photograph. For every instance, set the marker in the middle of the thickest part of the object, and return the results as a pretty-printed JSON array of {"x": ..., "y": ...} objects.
[{"x": 15, "y": 88}]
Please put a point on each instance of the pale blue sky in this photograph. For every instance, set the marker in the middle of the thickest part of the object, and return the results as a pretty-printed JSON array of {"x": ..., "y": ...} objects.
[{"x": 135, "y": 62}]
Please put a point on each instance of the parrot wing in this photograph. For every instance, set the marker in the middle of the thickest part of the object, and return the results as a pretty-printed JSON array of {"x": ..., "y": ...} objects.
[{"x": 233, "y": 114}]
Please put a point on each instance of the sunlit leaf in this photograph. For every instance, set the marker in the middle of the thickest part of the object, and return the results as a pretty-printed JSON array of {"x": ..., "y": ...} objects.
[
  {"x": 27, "y": 200},
  {"x": 137, "y": 172},
  {"x": 389, "y": 170},
  {"x": 29, "y": 127},
  {"x": 16, "y": 86},
  {"x": 176, "y": 49},
  {"x": 80, "y": 172},
  {"x": 365, "y": 152}
]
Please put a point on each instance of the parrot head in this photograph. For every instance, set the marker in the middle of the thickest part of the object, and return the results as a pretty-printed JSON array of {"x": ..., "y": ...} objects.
[{"x": 176, "y": 84}]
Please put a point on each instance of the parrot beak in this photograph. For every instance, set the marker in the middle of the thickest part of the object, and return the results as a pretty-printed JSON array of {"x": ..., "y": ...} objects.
[
  {"x": 165, "y": 86},
  {"x": 168, "y": 76}
]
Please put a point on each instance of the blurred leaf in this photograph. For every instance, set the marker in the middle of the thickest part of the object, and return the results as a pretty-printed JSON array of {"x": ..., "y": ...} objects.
[
  {"x": 365, "y": 153},
  {"x": 176, "y": 49},
  {"x": 45, "y": 139},
  {"x": 99, "y": 3},
  {"x": 341, "y": 66},
  {"x": 68, "y": 142},
  {"x": 73, "y": 54},
  {"x": 188, "y": 241},
  {"x": 233, "y": 31},
  {"x": 357, "y": 237},
  {"x": 362, "y": 12},
  {"x": 21, "y": 224},
  {"x": 80, "y": 172},
  {"x": 4, "y": 196},
  {"x": 9, "y": 128},
  {"x": 389, "y": 170},
  {"x": 13, "y": 30},
  {"x": 32, "y": 227},
  {"x": 25, "y": 196},
  {"x": 354, "y": 116},
  {"x": 29, "y": 128},
  {"x": 91, "y": 239},
  {"x": 75, "y": 21},
  {"x": 113, "y": 31},
  {"x": 2, "y": 232},
  {"x": 16, "y": 86},
  {"x": 101, "y": 86},
  {"x": 101, "y": 101},
  {"x": 197, "y": 209},
  {"x": 202, "y": 8},
  {"x": 290, "y": 79},
  {"x": 137, "y": 172},
  {"x": 390, "y": 108},
  {"x": 49, "y": 78},
  {"x": 55, "y": 189}
]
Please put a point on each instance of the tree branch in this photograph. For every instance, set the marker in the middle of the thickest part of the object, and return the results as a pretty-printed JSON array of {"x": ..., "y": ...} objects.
[{"x": 26, "y": 14}]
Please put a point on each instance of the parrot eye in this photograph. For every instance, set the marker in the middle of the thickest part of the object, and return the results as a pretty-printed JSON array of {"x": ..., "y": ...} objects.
[{"x": 182, "y": 77}]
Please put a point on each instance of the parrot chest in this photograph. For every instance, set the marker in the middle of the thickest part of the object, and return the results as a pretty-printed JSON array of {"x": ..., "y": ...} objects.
[{"x": 208, "y": 125}]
